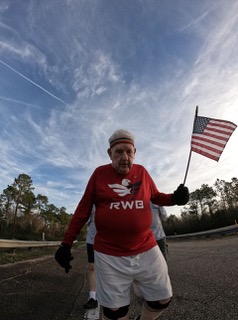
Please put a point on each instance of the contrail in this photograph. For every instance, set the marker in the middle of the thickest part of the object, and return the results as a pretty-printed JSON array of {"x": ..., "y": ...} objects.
[
  {"x": 18, "y": 101},
  {"x": 35, "y": 84}
]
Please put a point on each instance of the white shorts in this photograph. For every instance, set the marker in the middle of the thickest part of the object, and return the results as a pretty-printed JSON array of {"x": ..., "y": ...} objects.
[{"x": 115, "y": 275}]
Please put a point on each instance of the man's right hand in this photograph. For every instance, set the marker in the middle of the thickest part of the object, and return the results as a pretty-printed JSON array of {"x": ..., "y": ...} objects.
[{"x": 63, "y": 256}]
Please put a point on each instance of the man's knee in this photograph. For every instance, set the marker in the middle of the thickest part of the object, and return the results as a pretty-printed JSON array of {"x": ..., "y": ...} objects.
[
  {"x": 114, "y": 314},
  {"x": 152, "y": 310},
  {"x": 159, "y": 304}
]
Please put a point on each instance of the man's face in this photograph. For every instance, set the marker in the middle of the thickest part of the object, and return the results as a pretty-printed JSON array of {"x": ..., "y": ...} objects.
[{"x": 122, "y": 156}]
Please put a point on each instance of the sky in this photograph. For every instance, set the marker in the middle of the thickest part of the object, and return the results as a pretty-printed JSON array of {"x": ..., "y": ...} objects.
[{"x": 73, "y": 71}]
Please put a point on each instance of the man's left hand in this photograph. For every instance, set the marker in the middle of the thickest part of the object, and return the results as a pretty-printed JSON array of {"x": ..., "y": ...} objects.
[{"x": 181, "y": 195}]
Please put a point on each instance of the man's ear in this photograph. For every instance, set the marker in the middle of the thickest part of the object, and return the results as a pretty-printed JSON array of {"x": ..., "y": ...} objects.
[
  {"x": 109, "y": 153},
  {"x": 134, "y": 153}
]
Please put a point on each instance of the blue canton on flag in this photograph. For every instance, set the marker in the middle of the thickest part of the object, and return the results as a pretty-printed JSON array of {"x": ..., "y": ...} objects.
[
  {"x": 200, "y": 124},
  {"x": 210, "y": 136}
]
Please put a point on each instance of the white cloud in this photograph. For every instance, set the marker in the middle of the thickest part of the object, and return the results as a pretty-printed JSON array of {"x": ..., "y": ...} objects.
[{"x": 73, "y": 79}]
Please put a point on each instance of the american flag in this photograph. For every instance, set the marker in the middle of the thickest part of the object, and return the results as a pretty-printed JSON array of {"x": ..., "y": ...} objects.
[{"x": 210, "y": 136}]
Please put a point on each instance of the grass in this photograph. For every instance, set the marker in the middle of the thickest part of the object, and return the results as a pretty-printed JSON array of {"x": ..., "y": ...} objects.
[
  {"x": 22, "y": 254},
  {"x": 15, "y": 255}
]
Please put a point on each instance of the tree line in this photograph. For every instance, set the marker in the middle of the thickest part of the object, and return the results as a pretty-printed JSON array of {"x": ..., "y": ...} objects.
[
  {"x": 26, "y": 216},
  {"x": 208, "y": 208}
]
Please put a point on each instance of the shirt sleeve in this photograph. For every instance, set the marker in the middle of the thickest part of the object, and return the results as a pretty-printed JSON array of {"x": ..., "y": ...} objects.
[
  {"x": 81, "y": 214},
  {"x": 162, "y": 213}
]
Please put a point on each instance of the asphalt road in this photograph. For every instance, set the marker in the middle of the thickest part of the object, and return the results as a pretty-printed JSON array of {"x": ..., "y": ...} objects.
[{"x": 204, "y": 275}]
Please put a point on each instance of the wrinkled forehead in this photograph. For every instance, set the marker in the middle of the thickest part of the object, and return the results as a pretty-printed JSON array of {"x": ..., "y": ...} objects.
[{"x": 123, "y": 147}]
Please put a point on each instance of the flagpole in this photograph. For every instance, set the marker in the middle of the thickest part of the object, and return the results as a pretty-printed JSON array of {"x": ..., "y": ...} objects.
[{"x": 190, "y": 153}]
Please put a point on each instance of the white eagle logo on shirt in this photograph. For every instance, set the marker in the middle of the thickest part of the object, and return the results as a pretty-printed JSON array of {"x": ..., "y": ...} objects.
[{"x": 125, "y": 187}]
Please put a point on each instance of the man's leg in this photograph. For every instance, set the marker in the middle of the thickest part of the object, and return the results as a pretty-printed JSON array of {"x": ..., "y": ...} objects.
[
  {"x": 113, "y": 283},
  {"x": 155, "y": 284},
  {"x": 163, "y": 247},
  {"x": 153, "y": 310},
  {"x": 92, "y": 301},
  {"x": 116, "y": 313},
  {"x": 91, "y": 277}
]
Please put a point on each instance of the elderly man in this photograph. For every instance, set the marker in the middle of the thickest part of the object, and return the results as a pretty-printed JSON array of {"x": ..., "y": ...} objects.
[{"x": 124, "y": 247}]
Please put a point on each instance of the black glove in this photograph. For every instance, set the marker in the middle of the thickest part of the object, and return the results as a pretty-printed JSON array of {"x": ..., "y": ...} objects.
[
  {"x": 63, "y": 256},
  {"x": 181, "y": 195}
]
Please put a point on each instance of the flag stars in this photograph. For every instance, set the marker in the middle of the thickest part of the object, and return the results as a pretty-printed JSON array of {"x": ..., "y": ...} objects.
[{"x": 200, "y": 124}]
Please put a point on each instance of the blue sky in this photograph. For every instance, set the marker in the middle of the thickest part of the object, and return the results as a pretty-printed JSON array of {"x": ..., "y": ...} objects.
[{"x": 71, "y": 72}]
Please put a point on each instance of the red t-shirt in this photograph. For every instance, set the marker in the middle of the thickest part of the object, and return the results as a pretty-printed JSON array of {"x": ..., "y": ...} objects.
[{"x": 123, "y": 214}]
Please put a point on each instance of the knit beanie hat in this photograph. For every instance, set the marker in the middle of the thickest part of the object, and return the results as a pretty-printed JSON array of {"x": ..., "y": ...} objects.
[{"x": 121, "y": 136}]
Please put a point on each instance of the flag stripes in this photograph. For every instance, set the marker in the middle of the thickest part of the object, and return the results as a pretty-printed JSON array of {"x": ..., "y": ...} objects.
[
  {"x": 203, "y": 151},
  {"x": 210, "y": 136}
]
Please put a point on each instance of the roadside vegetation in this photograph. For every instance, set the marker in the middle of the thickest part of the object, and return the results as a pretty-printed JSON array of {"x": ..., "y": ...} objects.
[
  {"x": 208, "y": 208},
  {"x": 27, "y": 216},
  {"x": 23, "y": 254},
  {"x": 16, "y": 255}
]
